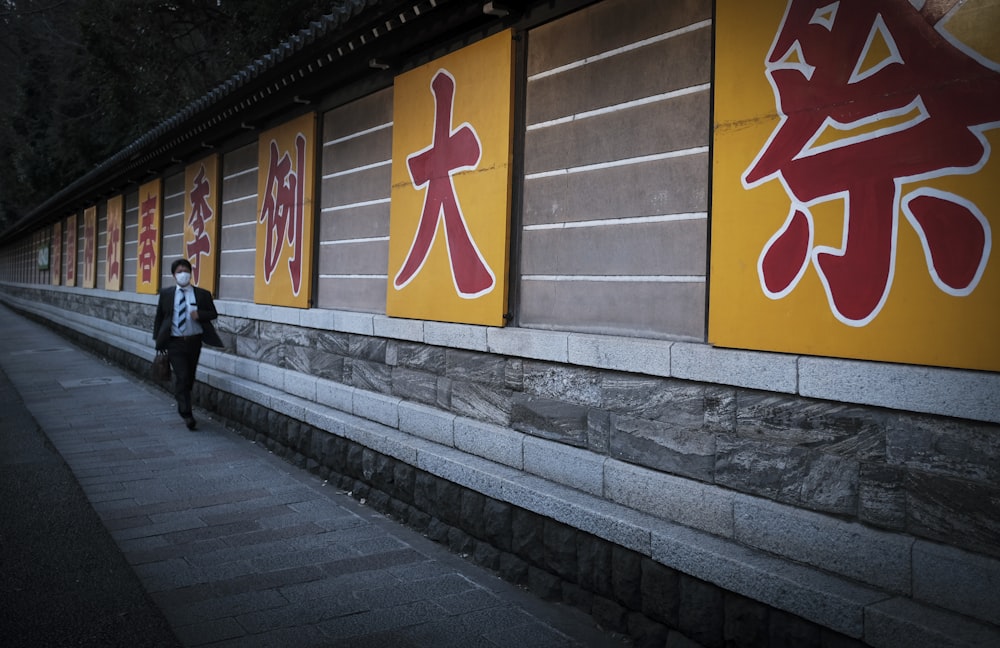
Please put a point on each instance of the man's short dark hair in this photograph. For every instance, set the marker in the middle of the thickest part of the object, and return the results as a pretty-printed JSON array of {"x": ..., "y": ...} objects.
[{"x": 178, "y": 263}]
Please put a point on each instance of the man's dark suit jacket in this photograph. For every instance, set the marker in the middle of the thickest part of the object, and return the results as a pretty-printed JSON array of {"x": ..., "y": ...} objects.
[{"x": 165, "y": 316}]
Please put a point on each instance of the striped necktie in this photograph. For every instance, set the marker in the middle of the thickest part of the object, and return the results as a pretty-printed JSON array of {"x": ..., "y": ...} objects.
[{"x": 182, "y": 312}]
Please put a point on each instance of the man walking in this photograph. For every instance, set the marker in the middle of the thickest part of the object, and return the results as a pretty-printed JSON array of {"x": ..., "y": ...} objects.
[{"x": 183, "y": 321}]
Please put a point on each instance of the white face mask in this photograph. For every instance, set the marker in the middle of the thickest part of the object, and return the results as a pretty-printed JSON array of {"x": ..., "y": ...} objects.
[{"x": 183, "y": 278}]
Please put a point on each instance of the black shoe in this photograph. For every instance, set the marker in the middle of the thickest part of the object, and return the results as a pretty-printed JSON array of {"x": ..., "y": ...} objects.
[{"x": 190, "y": 422}]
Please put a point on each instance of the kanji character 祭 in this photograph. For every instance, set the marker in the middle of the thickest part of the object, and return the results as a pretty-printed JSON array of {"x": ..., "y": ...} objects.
[
  {"x": 431, "y": 170},
  {"x": 201, "y": 212},
  {"x": 874, "y": 102},
  {"x": 282, "y": 211}
]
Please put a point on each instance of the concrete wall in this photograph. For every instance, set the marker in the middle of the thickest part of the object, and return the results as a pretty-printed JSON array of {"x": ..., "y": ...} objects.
[
  {"x": 616, "y": 170},
  {"x": 597, "y": 451}
]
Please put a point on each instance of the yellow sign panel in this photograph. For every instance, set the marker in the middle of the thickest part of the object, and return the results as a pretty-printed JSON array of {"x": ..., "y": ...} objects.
[
  {"x": 449, "y": 226},
  {"x": 55, "y": 268},
  {"x": 284, "y": 262},
  {"x": 114, "y": 246},
  {"x": 854, "y": 180},
  {"x": 70, "y": 251},
  {"x": 201, "y": 222},
  {"x": 90, "y": 247},
  {"x": 147, "y": 272}
]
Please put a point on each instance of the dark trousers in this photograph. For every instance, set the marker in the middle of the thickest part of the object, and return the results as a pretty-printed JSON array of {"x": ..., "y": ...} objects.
[{"x": 183, "y": 354}]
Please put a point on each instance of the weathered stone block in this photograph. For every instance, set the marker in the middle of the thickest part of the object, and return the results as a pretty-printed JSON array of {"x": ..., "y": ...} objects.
[
  {"x": 371, "y": 376},
  {"x": 626, "y": 577},
  {"x": 954, "y": 511},
  {"x": 550, "y": 419},
  {"x": 364, "y": 347},
  {"x": 418, "y": 356},
  {"x": 497, "y": 523},
  {"x": 788, "y": 474},
  {"x": 881, "y": 496},
  {"x": 834, "y": 428},
  {"x": 468, "y": 366},
  {"x": 701, "y": 613},
  {"x": 562, "y": 383},
  {"x": 660, "y": 592},
  {"x": 332, "y": 342},
  {"x": 560, "y": 549},
  {"x": 746, "y": 622},
  {"x": 481, "y": 402},
  {"x": 472, "y": 513},
  {"x": 789, "y": 631},
  {"x": 598, "y": 431},
  {"x": 945, "y": 446},
  {"x": 687, "y": 451},
  {"x": 414, "y": 385},
  {"x": 527, "y": 536}
]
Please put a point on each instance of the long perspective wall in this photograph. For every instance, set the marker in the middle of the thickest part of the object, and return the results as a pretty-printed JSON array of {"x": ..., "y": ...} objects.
[{"x": 597, "y": 449}]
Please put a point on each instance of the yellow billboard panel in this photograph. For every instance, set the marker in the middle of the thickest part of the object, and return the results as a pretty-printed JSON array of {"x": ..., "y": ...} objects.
[
  {"x": 449, "y": 228},
  {"x": 147, "y": 271},
  {"x": 114, "y": 247},
  {"x": 286, "y": 155},
  {"x": 201, "y": 222},
  {"x": 55, "y": 268},
  {"x": 70, "y": 279},
  {"x": 854, "y": 181},
  {"x": 90, "y": 247}
]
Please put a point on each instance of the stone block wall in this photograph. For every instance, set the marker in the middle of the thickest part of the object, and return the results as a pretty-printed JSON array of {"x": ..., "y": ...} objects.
[{"x": 782, "y": 514}]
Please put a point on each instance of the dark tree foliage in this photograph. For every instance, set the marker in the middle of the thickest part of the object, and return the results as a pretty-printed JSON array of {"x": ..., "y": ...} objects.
[{"x": 81, "y": 79}]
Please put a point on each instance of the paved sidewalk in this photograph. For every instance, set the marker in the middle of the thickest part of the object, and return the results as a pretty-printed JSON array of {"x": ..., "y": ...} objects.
[{"x": 237, "y": 547}]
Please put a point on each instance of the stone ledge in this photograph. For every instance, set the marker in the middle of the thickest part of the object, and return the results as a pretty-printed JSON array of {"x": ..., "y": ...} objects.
[{"x": 966, "y": 394}]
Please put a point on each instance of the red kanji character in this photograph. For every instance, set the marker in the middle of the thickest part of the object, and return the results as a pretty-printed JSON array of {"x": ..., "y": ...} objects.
[
  {"x": 450, "y": 151},
  {"x": 873, "y": 97},
  {"x": 147, "y": 238},
  {"x": 114, "y": 238},
  {"x": 283, "y": 211},
  {"x": 89, "y": 238},
  {"x": 201, "y": 212}
]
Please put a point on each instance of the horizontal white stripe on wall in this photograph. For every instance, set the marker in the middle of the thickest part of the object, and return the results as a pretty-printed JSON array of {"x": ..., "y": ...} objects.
[
  {"x": 243, "y": 224},
  {"x": 368, "y": 131},
  {"x": 618, "y": 278},
  {"x": 359, "y": 169},
  {"x": 370, "y": 239},
  {"x": 666, "y": 96},
  {"x": 621, "y": 50},
  {"x": 239, "y": 251},
  {"x": 240, "y": 199},
  {"x": 240, "y": 173},
  {"x": 698, "y": 150},
  {"x": 168, "y": 236},
  {"x": 633, "y": 220},
  {"x": 179, "y": 194},
  {"x": 174, "y": 215},
  {"x": 236, "y": 276},
  {"x": 366, "y": 203},
  {"x": 353, "y": 276}
]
